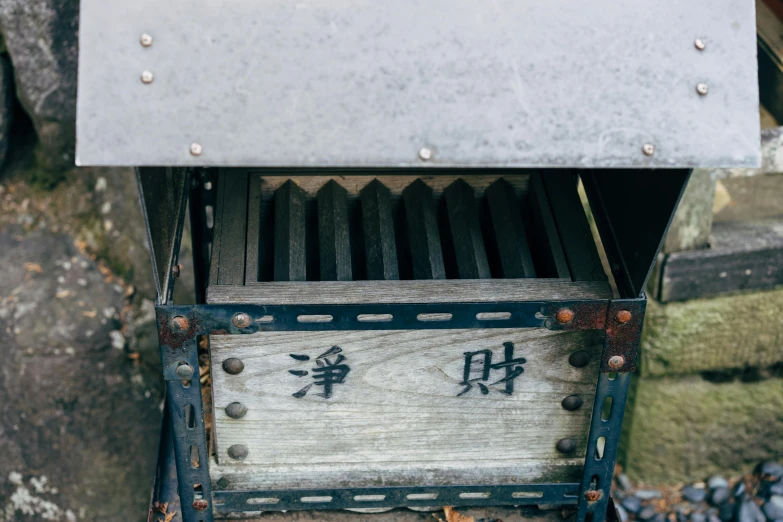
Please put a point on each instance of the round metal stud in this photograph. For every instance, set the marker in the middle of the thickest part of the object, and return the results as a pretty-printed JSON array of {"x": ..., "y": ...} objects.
[
  {"x": 579, "y": 359},
  {"x": 196, "y": 149},
  {"x": 425, "y": 153},
  {"x": 233, "y": 366},
  {"x": 616, "y": 362},
  {"x": 184, "y": 371},
  {"x": 237, "y": 452},
  {"x": 564, "y": 316},
  {"x": 648, "y": 149},
  {"x": 146, "y": 40},
  {"x": 200, "y": 504},
  {"x": 565, "y": 446},
  {"x": 236, "y": 410},
  {"x": 699, "y": 44},
  {"x": 147, "y": 77},
  {"x": 702, "y": 89},
  {"x": 241, "y": 320},
  {"x": 572, "y": 402},
  {"x": 180, "y": 324},
  {"x": 623, "y": 316}
]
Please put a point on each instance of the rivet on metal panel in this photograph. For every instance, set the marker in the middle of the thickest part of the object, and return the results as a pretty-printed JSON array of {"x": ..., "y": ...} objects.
[
  {"x": 195, "y": 149},
  {"x": 241, "y": 320},
  {"x": 237, "y": 452},
  {"x": 564, "y": 316},
  {"x": 425, "y": 153},
  {"x": 699, "y": 43},
  {"x": 180, "y": 324},
  {"x": 236, "y": 410},
  {"x": 623, "y": 316},
  {"x": 702, "y": 89},
  {"x": 572, "y": 402},
  {"x": 579, "y": 359},
  {"x": 616, "y": 362},
  {"x": 233, "y": 366},
  {"x": 146, "y": 40},
  {"x": 184, "y": 370},
  {"x": 566, "y": 446},
  {"x": 146, "y": 77},
  {"x": 648, "y": 149}
]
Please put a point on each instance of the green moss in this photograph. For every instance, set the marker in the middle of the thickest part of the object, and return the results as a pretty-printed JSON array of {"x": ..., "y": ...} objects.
[
  {"x": 686, "y": 429},
  {"x": 724, "y": 332}
]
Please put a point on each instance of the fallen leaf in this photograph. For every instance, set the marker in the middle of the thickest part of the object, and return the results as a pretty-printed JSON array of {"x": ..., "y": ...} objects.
[
  {"x": 63, "y": 294},
  {"x": 91, "y": 313},
  {"x": 33, "y": 267},
  {"x": 454, "y": 516}
]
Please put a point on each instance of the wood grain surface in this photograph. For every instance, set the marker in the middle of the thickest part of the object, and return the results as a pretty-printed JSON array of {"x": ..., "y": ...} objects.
[{"x": 401, "y": 414}]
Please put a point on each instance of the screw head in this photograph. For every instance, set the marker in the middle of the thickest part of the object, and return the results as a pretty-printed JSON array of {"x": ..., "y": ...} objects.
[
  {"x": 702, "y": 89},
  {"x": 572, "y": 403},
  {"x": 699, "y": 44},
  {"x": 566, "y": 446},
  {"x": 233, "y": 366},
  {"x": 236, "y": 410},
  {"x": 184, "y": 370},
  {"x": 180, "y": 324},
  {"x": 616, "y": 362},
  {"x": 200, "y": 505},
  {"x": 146, "y": 40},
  {"x": 425, "y": 153},
  {"x": 241, "y": 320},
  {"x": 648, "y": 149},
  {"x": 623, "y": 316},
  {"x": 237, "y": 452},
  {"x": 591, "y": 495},
  {"x": 147, "y": 77},
  {"x": 579, "y": 359},
  {"x": 564, "y": 315},
  {"x": 195, "y": 149}
]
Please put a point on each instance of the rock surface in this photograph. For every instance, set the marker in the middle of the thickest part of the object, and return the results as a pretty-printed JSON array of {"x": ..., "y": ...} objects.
[
  {"x": 41, "y": 37},
  {"x": 6, "y": 105}
]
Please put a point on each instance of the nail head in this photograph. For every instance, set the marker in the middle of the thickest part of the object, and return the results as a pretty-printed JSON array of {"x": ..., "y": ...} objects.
[
  {"x": 238, "y": 452},
  {"x": 146, "y": 40},
  {"x": 579, "y": 359},
  {"x": 572, "y": 403},
  {"x": 699, "y": 43},
  {"x": 184, "y": 370},
  {"x": 233, "y": 366},
  {"x": 180, "y": 323},
  {"x": 195, "y": 149},
  {"x": 564, "y": 315},
  {"x": 241, "y": 320},
  {"x": 702, "y": 89},
  {"x": 623, "y": 316},
  {"x": 566, "y": 446},
  {"x": 648, "y": 149},
  {"x": 616, "y": 362},
  {"x": 425, "y": 153},
  {"x": 147, "y": 77}
]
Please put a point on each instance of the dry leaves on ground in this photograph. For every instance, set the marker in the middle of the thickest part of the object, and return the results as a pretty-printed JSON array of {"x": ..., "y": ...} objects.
[{"x": 453, "y": 516}]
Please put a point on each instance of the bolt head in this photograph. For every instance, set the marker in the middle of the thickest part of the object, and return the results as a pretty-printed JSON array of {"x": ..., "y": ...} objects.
[
  {"x": 564, "y": 315},
  {"x": 425, "y": 153},
  {"x": 147, "y": 77},
  {"x": 616, "y": 362},
  {"x": 566, "y": 446},
  {"x": 592, "y": 495},
  {"x": 176, "y": 270},
  {"x": 699, "y": 44},
  {"x": 200, "y": 505},
  {"x": 241, "y": 320},
  {"x": 233, "y": 366},
  {"x": 146, "y": 40},
  {"x": 579, "y": 359},
  {"x": 572, "y": 403},
  {"x": 196, "y": 149},
  {"x": 237, "y": 452},
  {"x": 184, "y": 371},
  {"x": 236, "y": 410},
  {"x": 180, "y": 324},
  {"x": 702, "y": 89},
  {"x": 648, "y": 149},
  {"x": 623, "y": 316}
]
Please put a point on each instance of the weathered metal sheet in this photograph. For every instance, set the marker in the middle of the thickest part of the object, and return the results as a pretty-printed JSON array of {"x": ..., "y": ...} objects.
[{"x": 359, "y": 83}]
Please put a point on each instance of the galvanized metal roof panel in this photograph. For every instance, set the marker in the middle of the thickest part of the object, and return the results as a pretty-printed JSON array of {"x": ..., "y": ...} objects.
[{"x": 521, "y": 83}]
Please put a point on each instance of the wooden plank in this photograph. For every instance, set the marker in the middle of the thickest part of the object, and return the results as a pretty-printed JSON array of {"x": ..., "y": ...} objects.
[
  {"x": 378, "y": 227},
  {"x": 463, "y": 240},
  {"x": 505, "y": 232},
  {"x": 572, "y": 227},
  {"x": 228, "y": 265},
  {"x": 449, "y": 291},
  {"x": 254, "y": 230},
  {"x": 423, "y": 237},
  {"x": 744, "y": 256},
  {"x": 334, "y": 244},
  {"x": 290, "y": 253},
  {"x": 546, "y": 240},
  {"x": 413, "y": 406}
]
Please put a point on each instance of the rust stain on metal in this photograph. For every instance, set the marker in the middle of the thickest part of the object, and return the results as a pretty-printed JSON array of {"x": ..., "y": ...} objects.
[
  {"x": 623, "y": 335},
  {"x": 170, "y": 338},
  {"x": 564, "y": 315},
  {"x": 593, "y": 495},
  {"x": 584, "y": 316}
]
